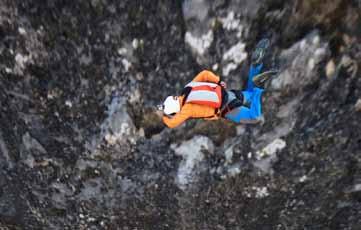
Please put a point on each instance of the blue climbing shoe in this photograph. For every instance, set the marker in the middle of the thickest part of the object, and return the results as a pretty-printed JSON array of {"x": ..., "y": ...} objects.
[{"x": 260, "y": 51}]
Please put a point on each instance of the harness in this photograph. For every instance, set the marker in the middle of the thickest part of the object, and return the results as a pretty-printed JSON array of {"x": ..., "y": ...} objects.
[
  {"x": 203, "y": 93},
  {"x": 211, "y": 94}
]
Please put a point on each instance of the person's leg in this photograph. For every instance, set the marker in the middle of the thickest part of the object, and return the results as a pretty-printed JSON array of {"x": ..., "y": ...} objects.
[
  {"x": 253, "y": 71},
  {"x": 252, "y": 94},
  {"x": 257, "y": 60},
  {"x": 246, "y": 95},
  {"x": 244, "y": 114}
]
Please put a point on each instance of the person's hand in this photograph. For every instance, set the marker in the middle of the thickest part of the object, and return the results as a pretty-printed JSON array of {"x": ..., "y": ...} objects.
[{"x": 223, "y": 84}]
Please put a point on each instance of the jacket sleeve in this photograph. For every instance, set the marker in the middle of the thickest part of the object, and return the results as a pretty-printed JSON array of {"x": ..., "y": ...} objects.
[
  {"x": 207, "y": 76},
  {"x": 176, "y": 120},
  {"x": 215, "y": 117}
]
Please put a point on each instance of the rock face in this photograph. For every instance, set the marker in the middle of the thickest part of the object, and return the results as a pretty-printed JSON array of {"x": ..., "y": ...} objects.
[
  {"x": 81, "y": 146},
  {"x": 192, "y": 153}
]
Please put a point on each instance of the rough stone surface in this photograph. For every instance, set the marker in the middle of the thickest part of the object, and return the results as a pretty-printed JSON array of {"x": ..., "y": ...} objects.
[
  {"x": 330, "y": 69},
  {"x": 358, "y": 105},
  {"x": 192, "y": 152},
  {"x": 81, "y": 146}
]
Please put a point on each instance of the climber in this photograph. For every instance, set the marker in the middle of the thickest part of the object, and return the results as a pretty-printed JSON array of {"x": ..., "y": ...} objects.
[{"x": 206, "y": 96}]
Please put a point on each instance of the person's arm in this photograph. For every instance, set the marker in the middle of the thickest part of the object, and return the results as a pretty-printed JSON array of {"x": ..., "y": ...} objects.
[
  {"x": 176, "y": 120},
  {"x": 207, "y": 76}
]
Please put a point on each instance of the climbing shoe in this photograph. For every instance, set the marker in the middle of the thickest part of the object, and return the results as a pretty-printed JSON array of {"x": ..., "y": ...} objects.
[
  {"x": 261, "y": 79},
  {"x": 260, "y": 51}
]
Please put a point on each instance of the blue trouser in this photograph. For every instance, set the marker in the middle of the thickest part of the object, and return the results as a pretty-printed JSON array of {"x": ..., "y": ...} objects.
[{"x": 252, "y": 96}]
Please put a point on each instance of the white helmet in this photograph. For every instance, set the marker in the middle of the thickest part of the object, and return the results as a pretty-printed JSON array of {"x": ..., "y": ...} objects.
[{"x": 171, "y": 105}]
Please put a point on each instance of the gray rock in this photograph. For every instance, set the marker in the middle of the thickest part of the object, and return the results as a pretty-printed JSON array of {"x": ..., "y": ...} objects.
[
  {"x": 31, "y": 143},
  {"x": 10, "y": 202},
  {"x": 192, "y": 152},
  {"x": 7, "y": 161},
  {"x": 74, "y": 92},
  {"x": 299, "y": 62},
  {"x": 358, "y": 105},
  {"x": 118, "y": 127}
]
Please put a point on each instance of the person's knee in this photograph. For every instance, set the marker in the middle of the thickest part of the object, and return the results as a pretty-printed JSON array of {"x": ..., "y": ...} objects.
[{"x": 238, "y": 94}]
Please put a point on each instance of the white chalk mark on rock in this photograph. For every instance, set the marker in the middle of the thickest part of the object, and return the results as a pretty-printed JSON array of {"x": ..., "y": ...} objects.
[
  {"x": 192, "y": 153},
  {"x": 271, "y": 148},
  {"x": 234, "y": 56},
  {"x": 199, "y": 44}
]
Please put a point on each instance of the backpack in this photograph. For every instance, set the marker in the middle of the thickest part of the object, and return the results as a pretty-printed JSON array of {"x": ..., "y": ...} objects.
[{"x": 203, "y": 93}]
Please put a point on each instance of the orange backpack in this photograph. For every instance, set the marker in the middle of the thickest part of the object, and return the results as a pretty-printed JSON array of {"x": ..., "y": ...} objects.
[{"x": 203, "y": 93}]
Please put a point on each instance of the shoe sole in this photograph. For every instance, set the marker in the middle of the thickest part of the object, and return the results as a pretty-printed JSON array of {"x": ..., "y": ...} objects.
[{"x": 264, "y": 77}]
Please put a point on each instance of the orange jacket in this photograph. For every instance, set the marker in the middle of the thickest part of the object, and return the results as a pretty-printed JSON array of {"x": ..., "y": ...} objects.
[{"x": 189, "y": 110}]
